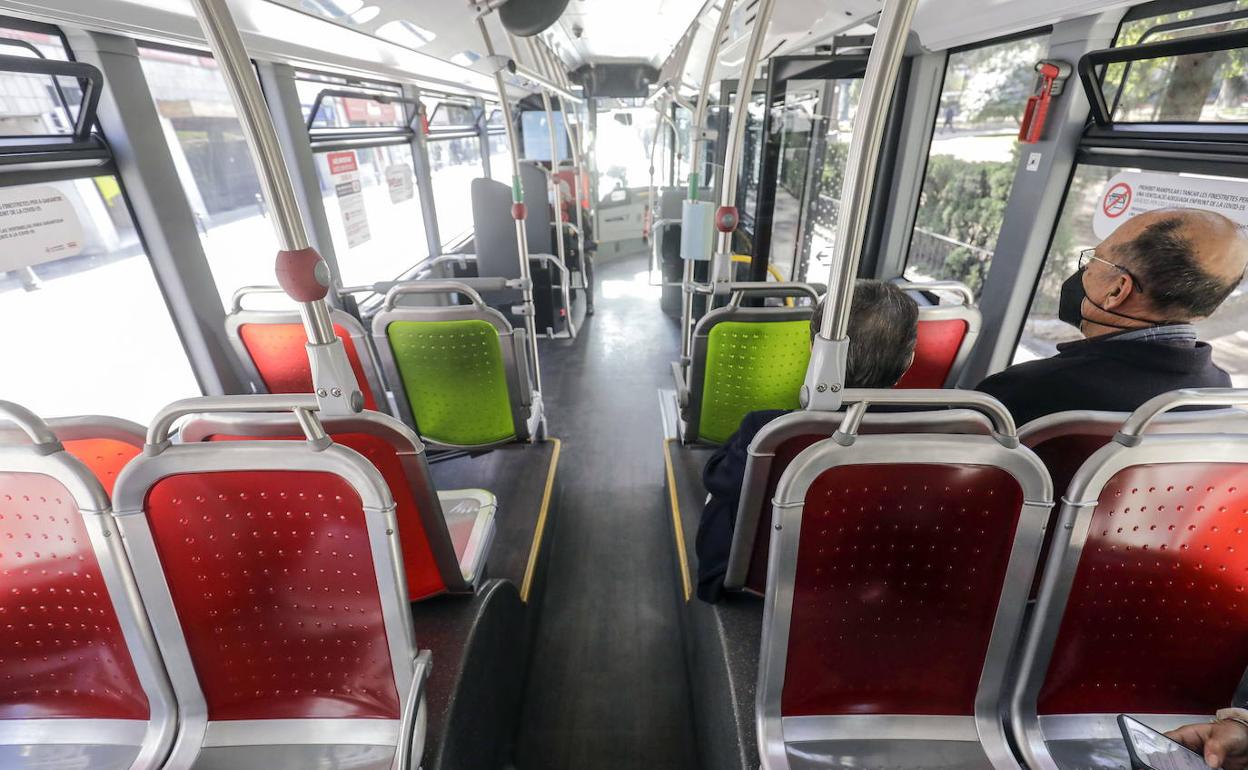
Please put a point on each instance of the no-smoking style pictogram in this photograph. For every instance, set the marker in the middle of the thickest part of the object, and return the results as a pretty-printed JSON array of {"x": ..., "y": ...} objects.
[{"x": 1117, "y": 200}]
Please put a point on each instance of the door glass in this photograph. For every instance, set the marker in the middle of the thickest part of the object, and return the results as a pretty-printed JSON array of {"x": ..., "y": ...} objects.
[
  {"x": 455, "y": 163},
  {"x": 973, "y": 158},
  {"x": 1093, "y": 201},
  {"x": 88, "y": 331}
]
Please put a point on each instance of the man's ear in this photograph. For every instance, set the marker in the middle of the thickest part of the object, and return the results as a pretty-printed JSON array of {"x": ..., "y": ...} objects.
[{"x": 1121, "y": 287}]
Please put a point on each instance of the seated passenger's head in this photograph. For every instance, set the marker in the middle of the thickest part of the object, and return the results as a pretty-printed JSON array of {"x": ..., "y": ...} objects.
[
  {"x": 883, "y": 330},
  {"x": 1165, "y": 266}
]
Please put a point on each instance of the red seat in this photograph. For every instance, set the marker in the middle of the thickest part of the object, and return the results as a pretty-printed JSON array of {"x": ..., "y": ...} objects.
[
  {"x": 432, "y": 559},
  {"x": 947, "y": 334},
  {"x": 104, "y": 444},
  {"x": 770, "y": 455},
  {"x": 268, "y": 571},
  {"x": 1140, "y": 607},
  {"x": 76, "y": 648},
  {"x": 896, "y": 595},
  {"x": 271, "y": 345}
]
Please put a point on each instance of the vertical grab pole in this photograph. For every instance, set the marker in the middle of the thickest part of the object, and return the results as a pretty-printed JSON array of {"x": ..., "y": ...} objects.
[
  {"x": 825, "y": 376},
  {"x": 726, "y": 218},
  {"x": 697, "y": 141},
  {"x": 517, "y": 206},
  {"x": 578, "y": 164},
  {"x": 659, "y": 107},
  {"x": 300, "y": 270},
  {"x": 552, "y": 183}
]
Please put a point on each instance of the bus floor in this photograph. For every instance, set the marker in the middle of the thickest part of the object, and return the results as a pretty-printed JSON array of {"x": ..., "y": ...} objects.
[{"x": 607, "y": 686}]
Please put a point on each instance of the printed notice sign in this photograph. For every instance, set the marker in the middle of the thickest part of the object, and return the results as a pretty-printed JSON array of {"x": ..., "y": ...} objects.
[
  {"x": 401, "y": 183},
  {"x": 1137, "y": 192},
  {"x": 344, "y": 173},
  {"x": 37, "y": 224}
]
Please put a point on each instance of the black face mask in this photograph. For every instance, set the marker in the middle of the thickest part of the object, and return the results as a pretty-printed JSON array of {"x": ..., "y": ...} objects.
[{"x": 1070, "y": 306}]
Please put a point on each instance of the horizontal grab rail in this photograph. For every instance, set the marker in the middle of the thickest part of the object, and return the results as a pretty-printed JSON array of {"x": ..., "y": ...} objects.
[
  {"x": 305, "y": 407},
  {"x": 859, "y": 400},
  {"x": 35, "y": 428},
  {"x": 1131, "y": 431},
  {"x": 953, "y": 287}
]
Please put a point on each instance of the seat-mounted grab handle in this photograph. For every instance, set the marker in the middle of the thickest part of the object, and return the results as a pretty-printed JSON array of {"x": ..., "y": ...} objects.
[
  {"x": 1004, "y": 431},
  {"x": 40, "y": 435},
  {"x": 236, "y": 301},
  {"x": 468, "y": 287},
  {"x": 305, "y": 407},
  {"x": 953, "y": 287},
  {"x": 1132, "y": 430}
]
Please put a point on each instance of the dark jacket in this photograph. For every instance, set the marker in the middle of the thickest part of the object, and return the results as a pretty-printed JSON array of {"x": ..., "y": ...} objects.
[
  {"x": 1103, "y": 374},
  {"x": 723, "y": 478}
]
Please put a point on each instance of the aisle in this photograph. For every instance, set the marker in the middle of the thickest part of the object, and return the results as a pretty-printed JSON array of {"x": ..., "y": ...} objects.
[{"x": 607, "y": 688}]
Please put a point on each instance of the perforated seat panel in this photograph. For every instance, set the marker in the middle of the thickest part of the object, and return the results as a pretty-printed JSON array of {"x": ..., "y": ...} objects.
[
  {"x": 939, "y": 342},
  {"x": 62, "y": 653},
  {"x": 104, "y": 456},
  {"x": 751, "y": 366},
  {"x": 274, "y": 584},
  {"x": 1162, "y": 586},
  {"x": 899, "y": 571},
  {"x": 280, "y": 355},
  {"x": 454, "y": 378}
]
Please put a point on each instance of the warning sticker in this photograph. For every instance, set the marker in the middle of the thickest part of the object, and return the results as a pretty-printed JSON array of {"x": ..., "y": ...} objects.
[
  {"x": 1131, "y": 193},
  {"x": 345, "y": 174},
  {"x": 399, "y": 180},
  {"x": 37, "y": 224}
]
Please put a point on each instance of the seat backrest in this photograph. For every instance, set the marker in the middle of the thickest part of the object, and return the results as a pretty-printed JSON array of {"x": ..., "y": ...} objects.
[
  {"x": 272, "y": 346},
  {"x": 460, "y": 372},
  {"x": 78, "y": 659},
  {"x": 745, "y": 359},
  {"x": 947, "y": 334},
  {"x": 103, "y": 444},
  {"x": 896, "y": 588},
  {"x": 538, "y": 217},
  {"x": 1140, "y": 608},
  {"x": 429, "y": 558},
  {"x": 774, "y": 448},
  {"x": 270, "y": 573}
]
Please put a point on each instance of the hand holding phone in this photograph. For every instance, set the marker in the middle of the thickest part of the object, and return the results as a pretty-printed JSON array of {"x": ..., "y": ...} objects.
[{"x": 1150, "y": 750}]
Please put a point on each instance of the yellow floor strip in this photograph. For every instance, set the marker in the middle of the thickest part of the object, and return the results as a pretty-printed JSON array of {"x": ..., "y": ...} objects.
[
  {"x": 676, "y": 520},
  {"x": 536, "y": 548}
]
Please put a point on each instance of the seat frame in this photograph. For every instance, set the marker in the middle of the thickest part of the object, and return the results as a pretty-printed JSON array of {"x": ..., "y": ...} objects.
[
  {"x": 153, "y": 738},
  {"x": 240, "y": 316},
  {"x": 762, "y": 453},
  {"x": 985, "y": 727},
  {"x": 410, "y": 666},
  {"x": 526, "y": 401},
  {"x": 1031, "y": 731},
  {"x": 407, "y": 446}
]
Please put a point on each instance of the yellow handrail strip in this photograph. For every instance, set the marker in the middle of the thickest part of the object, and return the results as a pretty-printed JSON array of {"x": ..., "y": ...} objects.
[
  {"x": 538, "y": 534},
  {"x": 683, "y": 558}
]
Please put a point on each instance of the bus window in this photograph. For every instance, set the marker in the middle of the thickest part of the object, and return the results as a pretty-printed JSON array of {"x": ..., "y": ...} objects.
[
  {"x": 1079, "y": 228},
  {"x": 455, "y": 162},
  {"x": 973, "y": 158},
  {"x": 214, "y": 166},
  {"x": 369, "y": 193},
  {"x": 500, "y": 150},
  {"x": 88, "y": 333},
  {"x": 536, "y": 135}
]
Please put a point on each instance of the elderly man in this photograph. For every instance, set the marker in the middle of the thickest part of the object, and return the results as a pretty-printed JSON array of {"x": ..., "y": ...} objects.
[{"x": 1134, "y": 298}]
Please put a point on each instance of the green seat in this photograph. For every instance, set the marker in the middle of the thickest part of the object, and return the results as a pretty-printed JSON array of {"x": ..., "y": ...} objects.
[
  {"x": 744, "y": 359},
  {"x": 458, "y": 372},
  {"x": 751, "y": 366}
]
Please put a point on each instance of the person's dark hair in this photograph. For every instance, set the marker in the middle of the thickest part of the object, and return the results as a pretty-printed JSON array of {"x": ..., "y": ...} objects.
[
  {"x": 883, "y": 330},
  {"x": 1171, "y": 277}
]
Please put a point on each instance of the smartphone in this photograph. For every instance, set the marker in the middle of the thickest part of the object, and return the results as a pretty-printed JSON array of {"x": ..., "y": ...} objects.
[{"x": 1150, "y": 750}]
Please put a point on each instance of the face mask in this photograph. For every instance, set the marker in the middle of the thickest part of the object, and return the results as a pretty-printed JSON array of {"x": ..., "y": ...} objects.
[{"x": 1070, "y": 306}]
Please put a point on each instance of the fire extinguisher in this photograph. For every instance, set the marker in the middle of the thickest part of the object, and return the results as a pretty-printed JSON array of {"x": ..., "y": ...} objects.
[{"x": 1050, "y": 82}]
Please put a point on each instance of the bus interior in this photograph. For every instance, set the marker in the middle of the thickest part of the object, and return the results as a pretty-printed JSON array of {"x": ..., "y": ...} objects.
[{"x": 363, "y": 360}]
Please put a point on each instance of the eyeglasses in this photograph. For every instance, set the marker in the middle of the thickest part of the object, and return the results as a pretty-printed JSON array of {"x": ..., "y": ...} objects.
[{"x": 1087, "y": 255}]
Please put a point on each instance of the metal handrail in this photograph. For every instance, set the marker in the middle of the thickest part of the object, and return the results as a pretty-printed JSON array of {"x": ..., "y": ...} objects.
[
  {"x": 1132, "y": 430},
  {"x": 35, "y": 428},
  {"x": 951, "y": 287},
  {"x": 305, "y": 408},
  {"x": 439, "y": 287},
  {"x": 1005, "y": 431}
]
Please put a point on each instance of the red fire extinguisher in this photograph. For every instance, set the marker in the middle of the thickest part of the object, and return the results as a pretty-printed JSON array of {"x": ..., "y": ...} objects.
[{"x": 1051, "y": 81}]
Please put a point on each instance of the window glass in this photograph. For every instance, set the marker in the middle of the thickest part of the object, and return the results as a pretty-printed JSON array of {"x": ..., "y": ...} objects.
[
  {"x": 622, "y": 147},
  {"x": 214, "y": 166},
  {"x": 1092, "y": 190},
  {"x": 973, "y": 158},
  {"x": 819, "y": 121},
  {"x": 374, "y": 212},
  {"x": 500, "y": 159},
  {"x": 95, "y": 334},
  {"x": 36, "y": 105},
  {"x": 454, "y": 163},
  {"x": 446, "y": 113}
]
